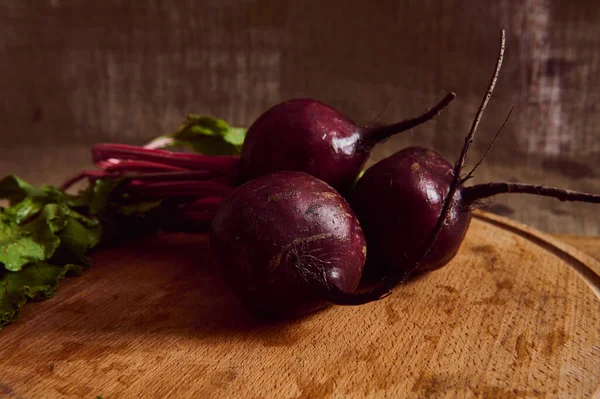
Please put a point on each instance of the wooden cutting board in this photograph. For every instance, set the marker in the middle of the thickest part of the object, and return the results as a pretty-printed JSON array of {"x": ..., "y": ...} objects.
[{"x": 510, "y": 317}]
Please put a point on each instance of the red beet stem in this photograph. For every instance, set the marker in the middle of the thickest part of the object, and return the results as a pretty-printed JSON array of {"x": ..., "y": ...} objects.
[
  {"x": 377, "y": 134},
  {"x": 209, "y": 204},
  {"x": 179, "y": 188},
  {"x": 160, "y": 143},
  {"x": 136, "y": 166},
  {"x": 196, "y": 176},
  {"x": 96, "y": 174},
  {"x": 480, "y": 191},
  {"x": 102, "y": 152}
]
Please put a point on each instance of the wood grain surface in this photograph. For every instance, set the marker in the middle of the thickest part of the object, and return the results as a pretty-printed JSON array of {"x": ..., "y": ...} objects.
[
  {"x": 589, "y": 245},
  {"x": 76, "y": 73},
  {"x": 509, "y": 318}
]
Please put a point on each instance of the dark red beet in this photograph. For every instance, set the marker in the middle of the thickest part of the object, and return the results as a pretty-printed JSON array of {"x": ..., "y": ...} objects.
[
  {"x": 308, "y": 136},
  {"x": 414, "y": 207},
  {"x": 398, "y": 201},
  {"x": 284, "y": 239},
  {"x": 417, "y": 186}
]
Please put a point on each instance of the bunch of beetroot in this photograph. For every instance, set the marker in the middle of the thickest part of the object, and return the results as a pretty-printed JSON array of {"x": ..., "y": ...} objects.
[
  {"x": 290, "y": 243},
  {"x": 292, "y": 225}
]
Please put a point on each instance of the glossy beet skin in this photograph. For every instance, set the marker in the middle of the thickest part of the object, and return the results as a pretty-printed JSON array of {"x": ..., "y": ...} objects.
[
  {"x": 283, "y": 238},
  {"x": 398, "y": 201},
  {"x": 308, "y": 136},
  {"x": 305, "y": 135}
]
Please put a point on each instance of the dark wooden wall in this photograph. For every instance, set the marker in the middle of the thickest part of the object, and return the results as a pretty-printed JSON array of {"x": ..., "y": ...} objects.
[{"x": 76, "y": 72}]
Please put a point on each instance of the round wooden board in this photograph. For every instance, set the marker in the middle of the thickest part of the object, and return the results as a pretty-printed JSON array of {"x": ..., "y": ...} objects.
[{"x": 510, "y": 317}]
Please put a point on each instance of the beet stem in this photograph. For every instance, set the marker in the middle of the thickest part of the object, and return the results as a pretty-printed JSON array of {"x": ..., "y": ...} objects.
[
  {"x": 102, "y": 152},
  {"x": 487, "y": 151},
  {"x": 206, "y": 204},
  {"x": 196, "y": 176},
  {"x": 480, "y": 191},
  {"x": 378, "y": 134},
  {"x": 117, "y": 166},
  {"x": 159, "y": 143},
  {"x": 469, "y": 139},
  {"x": 179, "y": 188},
  {"x": 386, "y": 286},
  {"x": 80, "y": 176}
]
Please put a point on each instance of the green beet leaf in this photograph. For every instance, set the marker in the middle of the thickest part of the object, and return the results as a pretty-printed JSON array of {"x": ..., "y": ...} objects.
[
  {"x": 78, "y": 239},
  {"x": 16, "y": 190},
  {"x": 30, "y": 242},
  {"x": 37, "y": 239},
  {"x": 33, "y": 282},
  {"x": 44, "y": 235},
  {"x": 25, "y": 210},
  {"x": 204, "y": 135},
  {"x": 96, "y": 197}
]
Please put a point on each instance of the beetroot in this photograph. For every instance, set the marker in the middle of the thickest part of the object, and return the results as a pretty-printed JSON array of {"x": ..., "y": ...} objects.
[
  {"x": 284, "y": 240},
  {"x": 309, "y": 136},
  {"x": 398, "y": 201},
  {"x": 415, "y": 208}
]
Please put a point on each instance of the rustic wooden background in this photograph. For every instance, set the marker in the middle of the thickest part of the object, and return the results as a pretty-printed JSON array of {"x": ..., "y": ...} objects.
[{"x": 75, "y": 72}]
